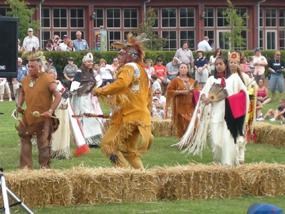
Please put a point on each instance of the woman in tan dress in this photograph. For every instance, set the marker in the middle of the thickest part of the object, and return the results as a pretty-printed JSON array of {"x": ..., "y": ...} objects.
[{"x": 181, "y": 95}]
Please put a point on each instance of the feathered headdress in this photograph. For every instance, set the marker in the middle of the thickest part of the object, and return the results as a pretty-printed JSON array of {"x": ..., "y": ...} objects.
[
  {"x": 35, "y": 56},
  {"x": 134, "y": 44}
]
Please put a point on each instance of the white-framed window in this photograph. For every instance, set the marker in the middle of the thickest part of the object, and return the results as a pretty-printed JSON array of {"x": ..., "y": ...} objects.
[
  {"x": 113, "y": 18},
  {"x": 45, "y": 36},
  {"x": 170, "y": 38},
  {"x": 98, "y": 17},
  {"x": 209, "y": 17},
  {"x": 271, "y": 17},
  {"x": 188, "y": 36},
  {"x": 46, "y": 20},
  {"x": 130, "y": 17},
  {"x": 168, "y": 17},
  {"x": 282, "y": 39},
  {"x": 60, "y": 17},
  {"x": 77, "y": 18},
  {"x": 221, "y": 19},
  {"x": 113, "y": 36},
  {"x": 282, "y": 17},
  {"x": 271, "y": 39},
  {"x": 187, "y": 17},
  {"x": 3, "y": 11}
]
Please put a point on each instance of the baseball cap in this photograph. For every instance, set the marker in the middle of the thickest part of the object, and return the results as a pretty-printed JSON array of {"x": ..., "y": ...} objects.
[
  {"x": 30, "y": 30},
  {"x": 70, "y": 58}
]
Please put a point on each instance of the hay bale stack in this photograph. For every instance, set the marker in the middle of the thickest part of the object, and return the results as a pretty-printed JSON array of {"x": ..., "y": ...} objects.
[
  {"x": 109, "y": 185},
  {"x": 270, "y": 134},
  {"x": 262, "y": 179},
  {"x": 38, "y": 188},
  {"x": 198, "y": 182},
  {"x": 162, "y": 128}
]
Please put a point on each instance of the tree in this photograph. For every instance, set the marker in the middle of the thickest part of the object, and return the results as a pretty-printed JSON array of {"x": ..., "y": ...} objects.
[
  {"x": 19, "y": 9},
  {"x": 155, "y": 41},
  {"x": 237, "y": 25}
]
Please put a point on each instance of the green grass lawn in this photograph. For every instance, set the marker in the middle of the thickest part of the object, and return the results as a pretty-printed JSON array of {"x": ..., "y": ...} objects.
[{"x": 161, "y": 154}]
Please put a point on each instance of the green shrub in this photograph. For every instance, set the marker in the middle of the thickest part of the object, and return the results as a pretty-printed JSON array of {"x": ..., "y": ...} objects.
[{"x": 60, "y": 58}]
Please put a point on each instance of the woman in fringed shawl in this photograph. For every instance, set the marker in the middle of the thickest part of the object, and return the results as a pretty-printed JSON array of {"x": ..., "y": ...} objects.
[
  {"x": 180, "y": 96},
  {"x": 129, "y": 133},
  {"x": 209, "y": 118},
  {"x": 87, "y": 130}
]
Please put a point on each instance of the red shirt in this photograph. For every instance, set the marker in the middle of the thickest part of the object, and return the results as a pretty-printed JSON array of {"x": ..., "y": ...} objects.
[{"x": 160, "y": 71}]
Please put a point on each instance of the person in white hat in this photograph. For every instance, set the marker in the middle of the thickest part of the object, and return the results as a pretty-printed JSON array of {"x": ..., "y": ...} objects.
[
  {"x": 31, "y": 42},
  {"x": 83, "y": 103}
]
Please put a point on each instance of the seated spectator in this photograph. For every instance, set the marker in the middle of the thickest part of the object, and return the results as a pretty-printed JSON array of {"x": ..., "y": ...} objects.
[
  {"x": 157, "y": 112},
  {"x": 172, "y": 68},
  {"x": 160, "y": 70},
  {"x": 149, "y": 68},
  {"x": 155, "y": 83},
  {"x": 277, "y": 114},
  {"x": 49, "y": 45},
  {"x": 69, "y": 72},
  {"x": 262, "y": 93},
  {"x": 158, "y": 105},
  {"x": 105, "y": 72}
]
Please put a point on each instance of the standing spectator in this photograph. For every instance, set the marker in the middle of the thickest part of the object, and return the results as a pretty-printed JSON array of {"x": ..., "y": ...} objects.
[
  {"x": 21, "y": 73},
  {"x": 201, "y": 68},
  {"x": 259, "y": 63},
  {"x": 172, "y": 68},
  {"x": 19, "y": 45},
  {"x": 63, "y": 45},
  {"x": 204, "y": 45},
  {"x": 31, "y": 42},
  {"x": 218, "y": 53},
  {"x": 79, "y": 43},
  {"x": 185, "y": 55},
  {"x": 180, "y": 92},
  {"x": 276, "y": 68},
  {"x": 245, "y": 66},
  {"x": 56, "y": 41},
  {"x": 69, "y": 72},
  {"x": 4, "y": 86}
]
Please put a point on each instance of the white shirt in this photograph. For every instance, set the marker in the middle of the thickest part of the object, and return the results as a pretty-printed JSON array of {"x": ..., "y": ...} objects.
[
  {"x": 259, "y": 69},
  {"x": 31, "y": 42},
  {"x": 204, "y": 46},
  {"x": 105, "y": 73}
]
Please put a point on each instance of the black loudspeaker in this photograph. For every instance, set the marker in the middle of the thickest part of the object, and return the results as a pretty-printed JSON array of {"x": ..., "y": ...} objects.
[{"x": 8, "y": 46}]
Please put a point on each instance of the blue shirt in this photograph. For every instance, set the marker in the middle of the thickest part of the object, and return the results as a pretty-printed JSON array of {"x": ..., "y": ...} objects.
[
  {"x": 22, "y": 72},
  {"x": 80, "y": 45}
]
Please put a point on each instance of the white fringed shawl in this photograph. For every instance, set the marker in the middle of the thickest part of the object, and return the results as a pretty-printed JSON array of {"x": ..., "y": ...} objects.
[{"x": 194, "y": 140}]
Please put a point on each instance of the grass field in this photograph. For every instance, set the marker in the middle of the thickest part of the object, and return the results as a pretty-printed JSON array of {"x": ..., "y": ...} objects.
[{"x": 161, "y": 154}]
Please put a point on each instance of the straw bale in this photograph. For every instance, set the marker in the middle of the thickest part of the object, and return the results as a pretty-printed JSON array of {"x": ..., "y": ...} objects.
[
  {"x": 198, "y": 182},
  {"x": 38, "y": 188},
  {"x": 270, "y": 134},
  {"x": 262, "y": 179},
  {"x": 162, "y": 128},
  {"x": 109, "y": 185}
]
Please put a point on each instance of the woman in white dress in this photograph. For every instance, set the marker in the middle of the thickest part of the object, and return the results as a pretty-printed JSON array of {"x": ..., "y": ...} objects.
[
  {"x": 209, "y": 118},
  {"x": 60, "y": 147}
]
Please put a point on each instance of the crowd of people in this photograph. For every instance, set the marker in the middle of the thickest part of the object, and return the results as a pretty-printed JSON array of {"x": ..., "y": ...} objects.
[{"x": 199, "y": 95}]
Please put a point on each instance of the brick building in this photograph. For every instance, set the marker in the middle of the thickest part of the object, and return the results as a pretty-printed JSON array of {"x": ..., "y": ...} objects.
[{"x": 177, "y": 20}]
